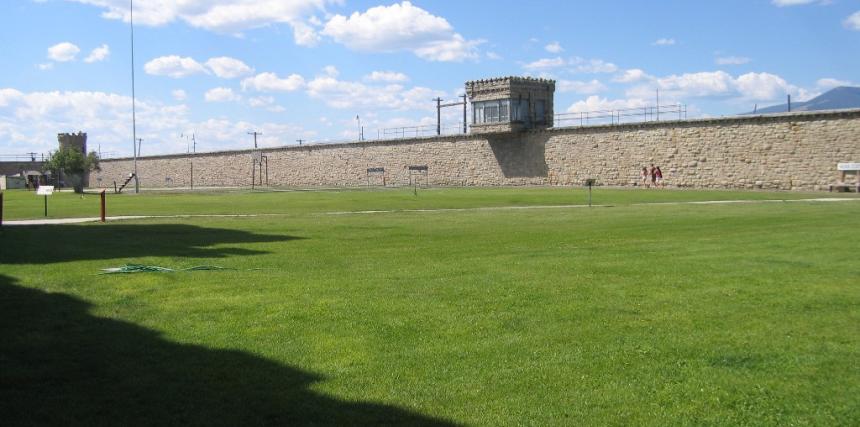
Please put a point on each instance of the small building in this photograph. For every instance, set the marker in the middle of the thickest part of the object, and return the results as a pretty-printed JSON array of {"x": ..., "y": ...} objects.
[{"x": 511, "y": 104}]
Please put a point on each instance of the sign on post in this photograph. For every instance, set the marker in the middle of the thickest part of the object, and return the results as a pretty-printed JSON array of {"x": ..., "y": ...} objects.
[
  {"x": 45, "y": 190},
  {"x": 851, "y": 166}
]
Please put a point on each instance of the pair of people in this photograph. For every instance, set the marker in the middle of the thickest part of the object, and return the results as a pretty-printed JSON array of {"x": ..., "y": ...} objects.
[{"x": 652, "y": 176}]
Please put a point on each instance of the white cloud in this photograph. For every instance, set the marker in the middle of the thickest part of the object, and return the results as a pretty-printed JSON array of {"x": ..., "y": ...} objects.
[
  {"x": 98, "y": 54},
  {"x": 220, "y": 94},
  {"x": 266, "y": 102},
  {"x": 9, "y": 95},
  {"x": 584, "y": 88},
  {"x": 719, "y": 84},
  {"x": 173, "y": 66},
  {"x": 494, "y": 56},
  {"x": 179, "y": 95},
  {"x": 830, "y": 83},
  {"x": 401, "y": 27},
  {"x": 596, "y": 103},
  {"x": 305, "y": 35},
  {"x": 346, "y": 94},
  {"x": 853, "y": 21},
  {"x": 732, "y": 60},
  {"x": 387, "y": 76},
  {"x": 763, "y": 86},
  {"x": 228, "y": 68},
  {"x": 784, "y": 3},
  {"x": 331, "y": 71},
  {"x": 554, "y": 47},
  {"x": 664, "y": 42},
  {"x": 222, "y": 16},
  {"x": 106, "y": 118},
  {"x": 631, "y": 76},
  {"x": 545, "y": 64},
  {"x": 63, "y": 52},
  {"x": 270, "y": 82},
  {"x": 593, "y": 66}
]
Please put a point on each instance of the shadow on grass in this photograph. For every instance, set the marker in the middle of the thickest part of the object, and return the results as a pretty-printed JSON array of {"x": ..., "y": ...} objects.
[
  {"x": 63, "y": 366},
  {"x": 59, "y": 243}
]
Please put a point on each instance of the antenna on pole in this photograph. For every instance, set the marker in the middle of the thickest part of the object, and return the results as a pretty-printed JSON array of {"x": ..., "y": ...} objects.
[
  {"x": 133, "y": 112},
  {"x": 255, "y": 133}
]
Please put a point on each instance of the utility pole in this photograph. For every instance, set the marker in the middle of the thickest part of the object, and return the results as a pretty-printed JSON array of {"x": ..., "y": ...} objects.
[
  {"x": 438, "y": 116},
  {"x": 440, "y": 106},
  {"x": 33, "y": 155},
  {"x": 139, "y": 143},
  {"x": 789, "y": 103},
  {"x": 358, "y": 119},
  {"x": 300, "y": 141},
  {"x": 133, "y": 112},
  {"x": 465, "y": 130},
  {"x": 255, "y": 133}
]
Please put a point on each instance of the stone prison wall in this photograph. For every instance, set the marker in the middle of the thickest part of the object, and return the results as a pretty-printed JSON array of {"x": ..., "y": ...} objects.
[{"x": 795, "y": 151}]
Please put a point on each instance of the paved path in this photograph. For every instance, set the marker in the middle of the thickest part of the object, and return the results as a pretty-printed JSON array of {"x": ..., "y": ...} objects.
[{"x": 55, "y": 221}]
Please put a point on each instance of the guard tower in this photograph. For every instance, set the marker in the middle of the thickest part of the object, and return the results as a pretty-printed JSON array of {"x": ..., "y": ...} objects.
[
  {"x": 511, "y": 104},
  {"x": 78, "y": 141}
]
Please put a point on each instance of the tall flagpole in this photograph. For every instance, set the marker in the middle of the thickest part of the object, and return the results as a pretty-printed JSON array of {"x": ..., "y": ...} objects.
[{"x": 133, "y": 112}]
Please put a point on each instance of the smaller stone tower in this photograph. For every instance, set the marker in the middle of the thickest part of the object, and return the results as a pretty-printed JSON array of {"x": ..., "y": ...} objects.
[
  {"x": 511, "y": 104},
  {"x": 77, "y": 141}
]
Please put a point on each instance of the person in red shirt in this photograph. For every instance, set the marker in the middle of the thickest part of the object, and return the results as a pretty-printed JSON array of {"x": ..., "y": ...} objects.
[{"x": 658, "y": 175}]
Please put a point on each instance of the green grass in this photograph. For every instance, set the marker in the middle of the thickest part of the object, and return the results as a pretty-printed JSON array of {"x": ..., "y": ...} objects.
[
  {"x": 742, "y": 314},
  {"x": 20, "y": 204}
]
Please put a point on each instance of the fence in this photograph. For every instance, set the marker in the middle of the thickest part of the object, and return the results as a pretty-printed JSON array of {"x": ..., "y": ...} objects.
[
  {"x": 419, "y": 131},
  {"x": 620, "y": 116}
]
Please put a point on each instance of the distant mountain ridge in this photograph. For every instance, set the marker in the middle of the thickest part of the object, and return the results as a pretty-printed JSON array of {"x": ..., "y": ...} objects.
[{"x": 835, "y": 99}]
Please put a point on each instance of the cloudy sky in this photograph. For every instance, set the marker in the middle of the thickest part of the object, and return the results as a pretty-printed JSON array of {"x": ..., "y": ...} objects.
[{"x": 304, "y": 69}]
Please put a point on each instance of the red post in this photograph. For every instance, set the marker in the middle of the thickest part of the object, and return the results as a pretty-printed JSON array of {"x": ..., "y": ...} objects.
[{"x": 103, "y": 205}]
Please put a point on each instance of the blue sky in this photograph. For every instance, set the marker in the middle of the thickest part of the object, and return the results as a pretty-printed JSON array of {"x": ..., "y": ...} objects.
[{"x": 304, "y": 69}]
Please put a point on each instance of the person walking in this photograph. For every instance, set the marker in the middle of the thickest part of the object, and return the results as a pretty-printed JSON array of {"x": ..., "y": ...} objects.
[
  {"x": 653, "y": 173},
  {"x": 644, "y": 179},
  {"x": 658, "y": 174}
]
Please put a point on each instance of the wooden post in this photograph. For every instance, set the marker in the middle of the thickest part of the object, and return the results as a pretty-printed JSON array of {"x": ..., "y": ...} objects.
[{"x": 102, "y": 194}]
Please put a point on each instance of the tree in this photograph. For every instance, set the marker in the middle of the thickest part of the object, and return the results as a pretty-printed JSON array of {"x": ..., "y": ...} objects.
[{"x": 73, "y": 164}]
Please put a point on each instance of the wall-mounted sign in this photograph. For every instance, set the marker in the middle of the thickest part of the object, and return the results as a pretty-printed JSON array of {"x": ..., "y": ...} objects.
[
  {"x": 375, "y": 170},
  {"x": 853, "y": 166},
  {"x": 418, "y": 168}
]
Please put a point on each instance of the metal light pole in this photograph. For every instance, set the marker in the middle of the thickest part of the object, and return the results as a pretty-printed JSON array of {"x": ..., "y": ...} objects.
[{"x": 133, "y": 112}]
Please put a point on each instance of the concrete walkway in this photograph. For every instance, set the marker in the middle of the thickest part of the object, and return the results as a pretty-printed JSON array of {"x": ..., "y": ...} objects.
[{"x": 57, "y": 221}]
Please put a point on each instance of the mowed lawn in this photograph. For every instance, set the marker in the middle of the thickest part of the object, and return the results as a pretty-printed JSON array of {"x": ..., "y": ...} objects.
[{"x": 660, "y": 314}]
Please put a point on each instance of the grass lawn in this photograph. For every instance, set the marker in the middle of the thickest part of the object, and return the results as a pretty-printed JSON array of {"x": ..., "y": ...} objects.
[{"x": 734, "y": 314}]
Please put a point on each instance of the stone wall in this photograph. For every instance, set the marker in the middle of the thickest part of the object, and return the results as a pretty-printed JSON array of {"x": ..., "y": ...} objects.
[{"x": 797, "y": 151}]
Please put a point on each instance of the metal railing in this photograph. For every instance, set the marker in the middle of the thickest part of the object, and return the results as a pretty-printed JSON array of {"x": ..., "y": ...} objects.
[
  {"x": 418, "y": 131},
  {"x": 27, "y": 157},
  {"x": 622, "y": 116}
]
